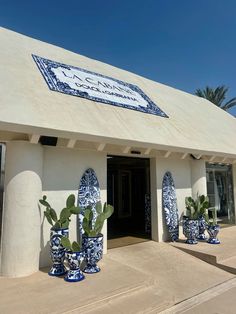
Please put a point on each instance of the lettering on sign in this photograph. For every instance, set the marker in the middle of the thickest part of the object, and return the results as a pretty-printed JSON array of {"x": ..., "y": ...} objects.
[{"x": 97, "y": 87}]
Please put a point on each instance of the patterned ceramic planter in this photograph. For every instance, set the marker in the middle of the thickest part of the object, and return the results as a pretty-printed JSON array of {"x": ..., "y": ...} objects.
[
  {"x": 93, "y": 249},
  {"x": 190, "y": 230},
  {"x": 184, "y": 225},
  {"x": 57, "y": 251},
  {"x": 89, "y": 195},
  {"x": 213, "y": 231},
  {"x": 170, "y": 209},
  {"x": 202, "y": 228},
  {"x": 74, "y": 260}
]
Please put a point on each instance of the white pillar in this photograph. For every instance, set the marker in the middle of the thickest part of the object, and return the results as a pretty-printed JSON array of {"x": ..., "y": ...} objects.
[
  {"x": 21, "y": 217},
  {"x": 198, "y": 177}
]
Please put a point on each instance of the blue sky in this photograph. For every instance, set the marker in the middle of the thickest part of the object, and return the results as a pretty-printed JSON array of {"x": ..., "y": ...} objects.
[{"x": 187, "y": 44}]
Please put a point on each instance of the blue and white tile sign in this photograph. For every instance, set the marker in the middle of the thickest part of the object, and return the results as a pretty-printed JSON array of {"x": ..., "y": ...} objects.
[{"x": 80, "y": 82}]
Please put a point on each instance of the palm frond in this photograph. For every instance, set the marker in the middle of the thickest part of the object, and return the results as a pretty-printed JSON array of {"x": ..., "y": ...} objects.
[
  {"x": 229, "y": 104},
  {"x": 217, "y": 96}
]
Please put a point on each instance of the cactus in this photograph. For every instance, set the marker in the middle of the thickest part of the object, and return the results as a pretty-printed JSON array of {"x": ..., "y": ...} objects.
[
  {"x": 198, "y": 207},
  {"x": 73, "y": 247},
  {"x": 103, "y": 213},
  {"x": 64, "y": 217},
  {"x": 213, "y": 220}
]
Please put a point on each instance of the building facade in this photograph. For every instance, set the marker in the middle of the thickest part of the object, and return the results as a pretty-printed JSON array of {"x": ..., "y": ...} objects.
[{"x": 62, "y": 113}]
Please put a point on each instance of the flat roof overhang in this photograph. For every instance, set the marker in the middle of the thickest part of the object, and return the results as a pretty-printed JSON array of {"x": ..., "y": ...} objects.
[{"x": 107, "y": 144}]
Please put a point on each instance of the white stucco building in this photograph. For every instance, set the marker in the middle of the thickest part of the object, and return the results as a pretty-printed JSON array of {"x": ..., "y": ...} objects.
[{"x": 61, "y": 113}]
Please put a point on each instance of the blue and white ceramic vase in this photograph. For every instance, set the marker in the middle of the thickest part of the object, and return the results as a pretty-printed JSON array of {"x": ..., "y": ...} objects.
[
  {"x": 57, "y": 251},
  {"x": 93, "y": 252},
  {"x": 191, "y": 230},
  {"x": 213, "y": 231},
  {"x": 202, "y": 228},
  {"x": 74, "y": 260}
]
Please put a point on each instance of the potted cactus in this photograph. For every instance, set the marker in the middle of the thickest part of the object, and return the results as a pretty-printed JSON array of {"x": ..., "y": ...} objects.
[
  {"x": 212, "y": 227},
  {"x": 202, "y": 204},
  {"x": 74, "y": 256},
  {"x": 194, "y": 224},
  {"x": 190, "y": 222},
  {"x": 59, "y": 228},
  {"x": 92, "y": 239}
]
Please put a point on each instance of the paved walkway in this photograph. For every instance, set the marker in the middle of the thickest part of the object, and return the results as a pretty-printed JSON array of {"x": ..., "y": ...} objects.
[
  {"x": 222, "y": 255},
  {"x": 217, "y": 300},
  {"x": 147, "y": 277}
]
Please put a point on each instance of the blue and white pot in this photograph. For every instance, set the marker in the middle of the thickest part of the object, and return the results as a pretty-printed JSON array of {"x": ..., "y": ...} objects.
[
  {"x": 213, "y": 231},
  {"x": 191, "y": 230},
  {"x": 202, "y": 228},
  {"x": 93, "y": 252},
  {"x": 74, "y": 260},
  {"x": 57, "y": 251}
]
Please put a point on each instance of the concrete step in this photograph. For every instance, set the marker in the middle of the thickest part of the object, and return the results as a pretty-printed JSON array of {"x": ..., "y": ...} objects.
[
  {"x": 148, "y": 277},
  {"x": 219, "y": 299},
  {"x": 221, "y": 255},
  {"x": 228, "y": 265}
]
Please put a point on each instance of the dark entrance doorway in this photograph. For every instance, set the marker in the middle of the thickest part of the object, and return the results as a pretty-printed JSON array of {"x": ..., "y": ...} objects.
[{"x": 128, "y": 190}]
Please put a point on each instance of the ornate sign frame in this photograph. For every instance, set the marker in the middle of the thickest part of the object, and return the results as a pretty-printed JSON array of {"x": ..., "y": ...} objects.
[{"x": 79, "y": 82}]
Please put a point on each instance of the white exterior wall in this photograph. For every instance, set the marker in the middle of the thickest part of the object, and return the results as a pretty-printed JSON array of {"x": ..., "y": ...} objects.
[
  {"x": 21, "y": 217},
  {"x": 62, "y": 171},
  {"x": 56, "y": 172},
  {"x": 198, "y": 174},
  {"x": 181, "y": 172},
  {"x": 234, "y": 191}
]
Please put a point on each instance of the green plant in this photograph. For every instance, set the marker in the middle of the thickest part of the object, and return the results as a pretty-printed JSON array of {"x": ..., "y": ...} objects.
[
  {"x": 198, "y": 207},
  {"x": 217, "y": 96},
  {"x": 64, "y": 217},
  {"x": 73, "y": 247},
  {"x": 211, "y": 221},
  {"x": 93, "y": 229}
]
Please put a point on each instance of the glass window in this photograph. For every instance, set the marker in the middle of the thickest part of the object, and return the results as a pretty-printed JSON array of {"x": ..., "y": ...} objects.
[{"x": 220, "y": 191}]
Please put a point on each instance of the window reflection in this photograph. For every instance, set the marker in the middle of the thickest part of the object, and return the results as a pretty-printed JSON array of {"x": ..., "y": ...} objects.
[{"x": 220, "y": 191}]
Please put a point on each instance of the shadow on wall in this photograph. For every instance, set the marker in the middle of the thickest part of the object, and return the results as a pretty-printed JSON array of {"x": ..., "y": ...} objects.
[
  {"x": 63, "y": 168},
  {"x": 62, "y": 171},
  {"x": 165, "y": 235},
  {"x": 44, "y": 256},
  {"x": 181, "y": 173}
]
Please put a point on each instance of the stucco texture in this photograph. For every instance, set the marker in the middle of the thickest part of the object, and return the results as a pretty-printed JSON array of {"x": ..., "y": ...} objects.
[
  {"x": 28, "y": 105},
  {"x": 62, "y": 171}
]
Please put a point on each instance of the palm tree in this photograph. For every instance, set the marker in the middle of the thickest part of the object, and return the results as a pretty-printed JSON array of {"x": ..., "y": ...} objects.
[{"x": 217, "y": 96}]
